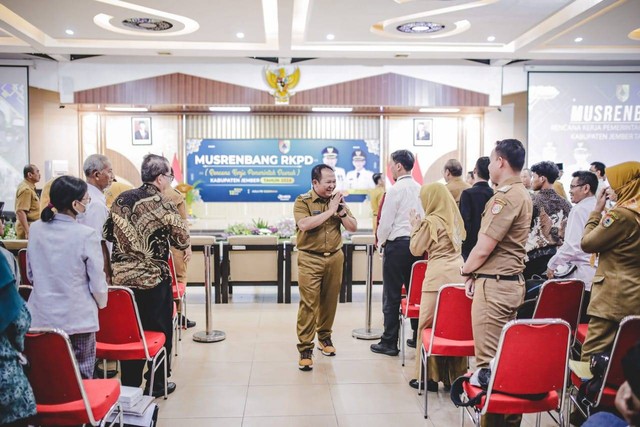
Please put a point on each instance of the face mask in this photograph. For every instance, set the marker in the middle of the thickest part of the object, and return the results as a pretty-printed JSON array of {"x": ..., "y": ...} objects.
[{"x": 80, "y": 215}]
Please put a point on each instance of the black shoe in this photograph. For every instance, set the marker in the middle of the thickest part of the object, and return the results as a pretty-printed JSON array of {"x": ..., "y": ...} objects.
[
  {"x": 186, "y": 322},
  {"x": 159, "y": 391},
  {"x": 432, "y": 386},
  {"x": 99, "y": 372},
  {"x": 414, "y": 383},
  {"x": 411, "y": 343},
  {"x": 383, "y": 349}
]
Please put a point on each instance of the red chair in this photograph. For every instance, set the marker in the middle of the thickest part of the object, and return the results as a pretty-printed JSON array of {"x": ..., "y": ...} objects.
[
  {"x": 25, "y": 291},
  {"x": 451, "y": 333},
  {"x": 179, "y": 295},
  {"x": 62, "y": 397},
  {"x": 22, "y": 264},
  {"x": 410, "y": 306},
  {"x": 627, "y": 336},
  {"x": 532, "y": 359},
  {"x": 581, "y": 332},
  {"x": 121, "y": 336},
  {"x": 560, "y": 299}
]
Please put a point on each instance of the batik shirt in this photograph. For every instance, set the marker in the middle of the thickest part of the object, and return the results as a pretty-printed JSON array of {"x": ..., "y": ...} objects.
[
  {"x": 550, "y": 214},
  {"x": 142, "y": 224}
]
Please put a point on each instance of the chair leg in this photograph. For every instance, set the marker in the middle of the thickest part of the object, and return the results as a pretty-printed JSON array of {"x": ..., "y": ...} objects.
[
  {"x": 104, "y": 368},
  {"x": 402, "y": 341},
  {"x": 423, "y": 373},
  {"x": 538, "y": 416}
]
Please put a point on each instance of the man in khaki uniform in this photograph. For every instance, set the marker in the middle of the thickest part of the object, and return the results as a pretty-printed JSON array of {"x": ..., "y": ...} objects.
[
  {"x": 495, "y": 265},
  {"x": 453, "y": 176},
  {"x": 179, "y": 263},
  {"x": 27, "y": 201},
  {"x": 319, "y": 215}
]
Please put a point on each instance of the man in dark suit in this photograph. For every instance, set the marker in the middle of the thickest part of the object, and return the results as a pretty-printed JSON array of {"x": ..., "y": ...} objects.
[
  {"x": 472, "y": 202},
  {"x": 142, "y": 133}
]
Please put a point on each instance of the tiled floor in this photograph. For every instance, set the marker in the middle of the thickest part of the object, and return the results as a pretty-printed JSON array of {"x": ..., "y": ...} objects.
[{"x": 252, "y": 378}]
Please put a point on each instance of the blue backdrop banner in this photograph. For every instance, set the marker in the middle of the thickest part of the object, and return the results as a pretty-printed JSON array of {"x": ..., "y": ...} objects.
[{"x": 278, "y": 170}]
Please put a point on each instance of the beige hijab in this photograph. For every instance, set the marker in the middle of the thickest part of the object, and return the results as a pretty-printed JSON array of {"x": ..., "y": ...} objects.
[
  {"x": 438, "y": 202},
  {"x": 624, "y": 178}
]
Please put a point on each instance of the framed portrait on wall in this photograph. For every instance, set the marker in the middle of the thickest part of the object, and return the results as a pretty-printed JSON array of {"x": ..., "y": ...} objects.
[
  {"x": 141, "y": 130},
  {"x": 423, "y": 132}
]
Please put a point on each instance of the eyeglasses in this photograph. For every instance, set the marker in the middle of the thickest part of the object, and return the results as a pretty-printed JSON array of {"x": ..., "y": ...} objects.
[
  {"x": 171, "y": 177},
  {"x": 577, "y": 185}
]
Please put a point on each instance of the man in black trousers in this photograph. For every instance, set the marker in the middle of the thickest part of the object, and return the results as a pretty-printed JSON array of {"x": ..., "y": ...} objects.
[
  {"x": 472, "y": 202},
  {"x": 394, "y": 231}
]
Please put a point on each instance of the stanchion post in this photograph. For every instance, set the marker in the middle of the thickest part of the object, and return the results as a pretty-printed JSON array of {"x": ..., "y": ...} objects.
[
  {"x": 367, "y": 333},
  {"x": 208, "y": 335}
]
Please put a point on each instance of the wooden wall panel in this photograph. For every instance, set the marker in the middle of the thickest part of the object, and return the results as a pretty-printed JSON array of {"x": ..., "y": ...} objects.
[{"x": 382, "y": 90}]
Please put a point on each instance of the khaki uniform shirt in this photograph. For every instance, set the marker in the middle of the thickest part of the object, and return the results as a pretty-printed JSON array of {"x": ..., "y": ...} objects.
[
  {"x": 456, "y": 186},
  {"x": 507, "y": 218},
  {"x": 327, "y": 237},
  {"x": 557, "y": 185},
  {"x": 444, "y": 260},
  {"x": 114, "y": 190},
  {"x": 27, "y": 200},
  {"x": 44, "y": 196},
  {"x": 177, "y": 198},
  {"x": 615, "y": 291}
]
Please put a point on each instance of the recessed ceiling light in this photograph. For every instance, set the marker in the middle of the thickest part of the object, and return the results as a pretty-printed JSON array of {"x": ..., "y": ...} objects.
[
  {"x": 127, "y": 109},
  {"x": 69, "y": 32},
  {"x": 332, "y": 109},
  {"x": 420, "y": 27},
  {"x": 491, "y": 38},
  {"x": 330, "y": 36},
  {"x": 240, "y": 35},
  {"x": 439, "y": 110},
  {"x": 230, "y": 109},
  {"x": 577, "y": 39}
]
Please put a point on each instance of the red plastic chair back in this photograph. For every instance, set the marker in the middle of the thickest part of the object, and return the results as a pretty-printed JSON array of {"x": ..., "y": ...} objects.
[
  {"x": 119, "y": 319},
  {"x": 628, "y": 335},
  {"x": 172, "y": 269},
  {"x": 53, "y": 374},
  {"x": 452, "y": 318},
  {"x": 418, "y": 271},
  {"x": 560, "y": 299},
  {"x": 22, "y": 264},
  {"x": 532, "y": 357}
]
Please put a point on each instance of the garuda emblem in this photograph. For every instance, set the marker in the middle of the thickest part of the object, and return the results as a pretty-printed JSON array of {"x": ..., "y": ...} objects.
[{"x": 282, "y": 83}]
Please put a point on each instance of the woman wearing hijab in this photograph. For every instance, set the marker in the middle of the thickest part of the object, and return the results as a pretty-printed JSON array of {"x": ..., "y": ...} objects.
[
  {"x": 16, "y": 397},
  {"x": 65, "y": 264},
  {"x": 615, "y": 237},
  {"x": 440, "y": 234}
]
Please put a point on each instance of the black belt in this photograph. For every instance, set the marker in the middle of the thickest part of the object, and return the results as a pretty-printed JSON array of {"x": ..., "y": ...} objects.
[
  {"x": 498, "y": 277},
  {"x": 325, "y": 254},
  {"x": 398, "y": 239}
]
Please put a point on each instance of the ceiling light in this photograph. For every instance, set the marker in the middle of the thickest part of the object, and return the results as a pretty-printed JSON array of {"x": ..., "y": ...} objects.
[
  {"x": 577, "y": 39},
  {"x": 491, "y": 38},
  {"x": 332, "y": 109},
  {"x": 439, "y": 110},
  {"x": 69, "y": 32},
  {"x": 240, "y": 35},
  {"x": 230, "y": 109},
  {"x": 420, "y": 27},
  {"x": 127, "y": 109},
  {"x": 330, "y": 36},
  {"x": 635, "y": 34}
]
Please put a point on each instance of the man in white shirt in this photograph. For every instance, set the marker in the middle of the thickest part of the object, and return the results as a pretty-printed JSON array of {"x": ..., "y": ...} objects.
[
  {"x": 394, "y": 231},
  {"x": 599, "y": 168},
  {"x": 582, "y": 192},
  {"x": 330, "y": 158},
  {"x": 99, "y": 175}
]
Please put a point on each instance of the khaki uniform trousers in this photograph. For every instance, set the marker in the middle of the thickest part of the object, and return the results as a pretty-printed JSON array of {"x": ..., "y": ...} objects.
[
  {"x": 599, "y": 337},
  {"x": 439, "y": 368},
  {"x": 494, "y": 304},
  {"x": 319, "y": 282},
  {"x": 179, "y": 265}
]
